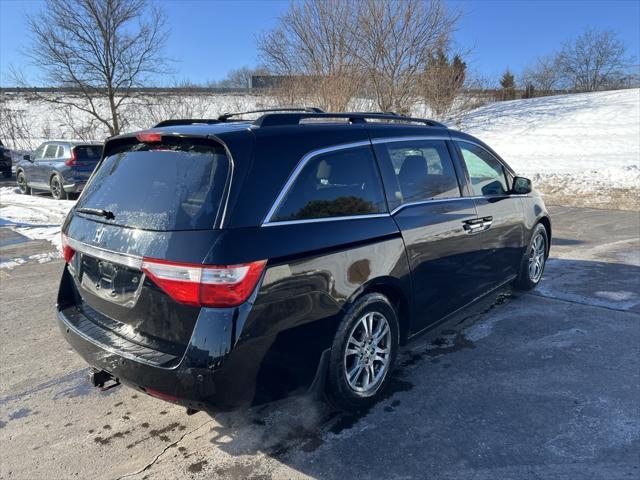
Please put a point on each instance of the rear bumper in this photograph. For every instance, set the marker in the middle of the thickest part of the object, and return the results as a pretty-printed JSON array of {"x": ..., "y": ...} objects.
[
  {"x": 73, "y": 187},
  {"x": 191, "y": 379}
]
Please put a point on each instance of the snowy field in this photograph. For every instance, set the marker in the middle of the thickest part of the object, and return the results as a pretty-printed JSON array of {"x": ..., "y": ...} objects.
[{"x": 580, "y": 150}]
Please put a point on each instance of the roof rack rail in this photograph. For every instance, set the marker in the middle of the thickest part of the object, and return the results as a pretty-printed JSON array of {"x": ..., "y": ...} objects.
[
  {"x": 225, "y": 116},
  {"x": 187, "y": 121},
  {"x": 281, "y": 119}
]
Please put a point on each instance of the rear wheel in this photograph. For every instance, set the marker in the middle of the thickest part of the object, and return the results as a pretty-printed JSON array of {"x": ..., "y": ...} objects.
[
  {"x": 21, "y": 180},
  {"x": 533, "y": 264},
  {"x": 363, "y": 353},
  {"x": 57, "y": 191}
]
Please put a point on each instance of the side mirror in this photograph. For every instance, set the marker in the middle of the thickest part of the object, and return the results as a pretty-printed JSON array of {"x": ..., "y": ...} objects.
[
  {"x": 27, "y": 158},
  {"x": 521, "y": 185}
]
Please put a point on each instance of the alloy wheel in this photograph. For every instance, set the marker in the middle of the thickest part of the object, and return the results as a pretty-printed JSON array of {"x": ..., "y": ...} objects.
[
  {"x": 537, "y": 257},
  {"x": 368, "y": 353},
  {"x": 56, "y": 188}
]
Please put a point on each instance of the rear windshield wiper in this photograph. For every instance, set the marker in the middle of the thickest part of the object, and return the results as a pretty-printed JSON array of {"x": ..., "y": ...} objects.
[{"x": 97, "y": 211}]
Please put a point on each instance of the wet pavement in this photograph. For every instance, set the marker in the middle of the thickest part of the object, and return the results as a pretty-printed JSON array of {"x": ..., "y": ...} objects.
[{"x": 537, "y": 385}]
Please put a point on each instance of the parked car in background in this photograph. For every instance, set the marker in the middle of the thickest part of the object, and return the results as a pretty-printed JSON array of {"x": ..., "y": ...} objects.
[
  {"x": 5, "y": 161},
  {"x": 223, "y": 264},
  {"x": 62, "y": 167}
]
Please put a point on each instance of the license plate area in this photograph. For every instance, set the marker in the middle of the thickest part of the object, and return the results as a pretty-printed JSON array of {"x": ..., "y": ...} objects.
[{"x": 109, "y": 281}]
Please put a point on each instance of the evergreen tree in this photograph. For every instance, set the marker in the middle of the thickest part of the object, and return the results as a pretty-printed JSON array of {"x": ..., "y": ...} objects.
[{"x": 508, "y": 84}]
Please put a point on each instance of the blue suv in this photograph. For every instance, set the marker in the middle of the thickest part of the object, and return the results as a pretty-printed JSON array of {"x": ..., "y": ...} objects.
[{"x": 62, "y": 167}]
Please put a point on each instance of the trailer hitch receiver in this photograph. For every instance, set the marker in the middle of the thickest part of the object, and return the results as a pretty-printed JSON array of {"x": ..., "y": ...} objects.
[{"x": 100, "y": 378}]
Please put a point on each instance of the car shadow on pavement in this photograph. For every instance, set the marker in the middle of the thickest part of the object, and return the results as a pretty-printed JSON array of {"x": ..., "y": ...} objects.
[{"x": 299, "y": 432}]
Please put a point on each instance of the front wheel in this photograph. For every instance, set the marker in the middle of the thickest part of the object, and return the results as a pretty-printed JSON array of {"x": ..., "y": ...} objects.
[
  {"x": 363, "y": 353},
  {"x": 57, "y": 191},
  {"x": 533, "y": 264}
]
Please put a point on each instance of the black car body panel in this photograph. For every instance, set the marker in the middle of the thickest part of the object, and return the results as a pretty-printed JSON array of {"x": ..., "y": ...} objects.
[
  {"x": 5, "y": 160},
  {"x": 430, "y": 258}
]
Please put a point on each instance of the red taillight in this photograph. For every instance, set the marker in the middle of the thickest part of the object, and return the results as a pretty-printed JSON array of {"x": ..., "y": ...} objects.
[
  {"x": 205, "y": 285},
  {"x": 162, "y": 396},
  {"x": 72, "y": 161},
  {"x": 149, "y": 137},
  {"x": 67, "y": 251}
]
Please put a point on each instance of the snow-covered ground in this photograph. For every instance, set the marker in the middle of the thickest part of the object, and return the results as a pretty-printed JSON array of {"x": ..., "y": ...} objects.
[
  {"x": 35, "y": 217},
  {"x": 581, "y": 149}
]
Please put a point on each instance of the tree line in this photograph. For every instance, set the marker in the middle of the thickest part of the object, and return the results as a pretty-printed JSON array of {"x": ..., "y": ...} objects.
[{"x": 335, "y": 54}]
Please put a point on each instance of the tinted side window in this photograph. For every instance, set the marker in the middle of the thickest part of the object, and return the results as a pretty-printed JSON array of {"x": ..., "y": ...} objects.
[
  {"x": 50, "y": 152},
  {"x": 485, "y": 171},
  {"x": 336, "y": 184},
  {"x": 60, "y": 152},
  {"x": 39, "y": 152},
  {"x": 417, "y": 170}
]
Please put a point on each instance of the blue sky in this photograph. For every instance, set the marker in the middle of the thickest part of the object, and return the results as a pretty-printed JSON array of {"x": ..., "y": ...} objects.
[{"x": 211, "y": 37}]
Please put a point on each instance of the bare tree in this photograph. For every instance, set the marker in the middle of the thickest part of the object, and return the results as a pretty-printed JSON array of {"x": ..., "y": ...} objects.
[
  {"x": 593, "y": 60},
  {"x": 394, "y": 43},
  {"x": 240, "y": 77},
  {"x": 336, "y": 49},
  {"x": 544, "y": 75},
  {"x": 14, "y": 127},
  {"x": 312, "y": 48},
  {"x": 102, "y": 49}
]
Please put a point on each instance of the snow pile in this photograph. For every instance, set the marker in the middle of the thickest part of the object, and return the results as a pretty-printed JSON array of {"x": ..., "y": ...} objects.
[
  {"x": 35, "y": 217},
  {"x": 582, "y": 144}
]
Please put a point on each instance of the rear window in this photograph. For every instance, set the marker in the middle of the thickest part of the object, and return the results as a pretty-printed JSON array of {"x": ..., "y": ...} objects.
[
  {"x": 173, "y": 186},
  {"x": 88, "y": 152}
]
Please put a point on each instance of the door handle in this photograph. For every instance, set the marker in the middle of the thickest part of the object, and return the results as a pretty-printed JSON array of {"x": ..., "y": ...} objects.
[
  {"x": 477, "y": 224},
  {"x": 472, "y": 226}
]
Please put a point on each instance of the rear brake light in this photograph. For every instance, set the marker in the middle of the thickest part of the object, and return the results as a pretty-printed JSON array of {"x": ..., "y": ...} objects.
[
  {"x": 205, "y": 285},
  {"x": 71, "y": 162},
  {"x": 162, "y": 396},
  {"x": 67, "y": 251},
  {"x": 149, "y": 137}
]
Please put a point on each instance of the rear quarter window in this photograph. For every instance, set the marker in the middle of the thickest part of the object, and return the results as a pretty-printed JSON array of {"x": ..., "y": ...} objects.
[
  {"x": 173, "y": 186},
  {"x": 336, "y": 184}
]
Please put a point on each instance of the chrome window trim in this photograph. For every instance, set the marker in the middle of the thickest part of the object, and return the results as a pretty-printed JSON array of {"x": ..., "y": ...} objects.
[
  {"x": 326, "y": 219},
  {"x": 132, "y": 261},
  {"x": 451, "y": 199},
  {"x": 427, "y": 202},
  {"x": 294, "y": 175}
]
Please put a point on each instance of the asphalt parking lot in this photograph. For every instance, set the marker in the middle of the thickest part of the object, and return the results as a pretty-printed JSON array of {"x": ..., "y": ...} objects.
[{"x": 538, "y": 385}]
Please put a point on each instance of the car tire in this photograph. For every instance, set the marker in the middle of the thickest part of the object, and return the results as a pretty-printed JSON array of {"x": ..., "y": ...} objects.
[
  {"x": 57, "y": 190},
  {"x": 21, "y": 180},
  {"x": 534, "y": 261},
  {"x": 363, "y": 353}
]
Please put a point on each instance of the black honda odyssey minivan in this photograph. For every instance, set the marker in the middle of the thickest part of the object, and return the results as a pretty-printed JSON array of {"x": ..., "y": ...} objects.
[{"x": 220, "y": 264}]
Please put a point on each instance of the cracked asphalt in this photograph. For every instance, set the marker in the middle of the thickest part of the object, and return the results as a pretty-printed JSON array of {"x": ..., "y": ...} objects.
[{"x": 538, "y": 385}]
